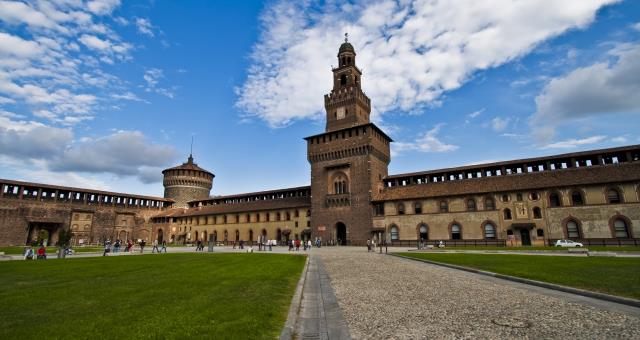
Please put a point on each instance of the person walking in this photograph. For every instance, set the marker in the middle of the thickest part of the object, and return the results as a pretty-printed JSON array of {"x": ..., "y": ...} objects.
[
  {"x": 107, "y": 247},
  {"x": 164, "y": 247},
  {"x": 368, "y": 245},
  {"x": 297, "y": 245},
  {"x": 142, "y": 244},
  {"x": 155, "y": 247},
  {"x": 309, "y": 244}
]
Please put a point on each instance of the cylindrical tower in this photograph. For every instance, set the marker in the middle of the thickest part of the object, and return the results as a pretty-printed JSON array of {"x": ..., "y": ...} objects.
[{"x": 186, "y": 182}]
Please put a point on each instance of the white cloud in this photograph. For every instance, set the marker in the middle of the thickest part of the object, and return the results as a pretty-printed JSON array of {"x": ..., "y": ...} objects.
[
  {"x": 598, "y": 89},
  {"x": 52, "y": 149},
  {"x": 15, "y": 12},
  {"x": 152, "y": 77},
  {"x": 619, "y": 139},
  {"x": 411, "y": 51},
  {"x": 28, "y": 139},
  {"x": 102, "y": 7},
  {"x": 499, "y": 124},
  {"x": 121, "y": 153},
  {"x": 475, "y": 113},
  {"x": 636, "y": 26},
  {"x": 144, "y": 27},
  {"x": 44, "y": 70},
  {"x": 572, "y": 142},
  {"x": 11, "y": 45},
  {"x": 427, "y": 142}
]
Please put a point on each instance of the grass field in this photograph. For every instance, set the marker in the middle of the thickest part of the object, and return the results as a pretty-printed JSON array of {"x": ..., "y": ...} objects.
[
  {"x": 222, "y": 296},
  {"x": 591, "y": 248},
  {"x": 611, "y": 275}
]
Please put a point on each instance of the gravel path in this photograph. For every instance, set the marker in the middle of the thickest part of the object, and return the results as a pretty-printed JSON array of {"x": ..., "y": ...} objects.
[{"x": 385, "y": 297}]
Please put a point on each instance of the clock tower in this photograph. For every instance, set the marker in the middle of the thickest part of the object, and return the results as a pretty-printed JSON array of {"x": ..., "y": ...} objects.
[
  {"x": 348, "y": 160},
  {"x": 346, "y": 105}
]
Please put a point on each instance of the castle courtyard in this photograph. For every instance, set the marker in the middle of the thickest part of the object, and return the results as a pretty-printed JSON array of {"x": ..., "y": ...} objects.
[{"x": 344, "y": 292}]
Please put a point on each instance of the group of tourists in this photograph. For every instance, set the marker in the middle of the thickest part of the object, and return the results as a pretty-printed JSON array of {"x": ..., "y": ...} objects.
[
  {"x": 117, "y": 244},
  {"x": 200, "y": 246},
  {"x": 295, "y": 244}
]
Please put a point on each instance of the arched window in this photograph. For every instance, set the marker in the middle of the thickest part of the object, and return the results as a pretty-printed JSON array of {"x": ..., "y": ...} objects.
[
  {"x": 554, "y": 200},
  {"x": 534, "y": 196},
  {"x": 394, "y": 233},
  {"x": 278, "y": 217},
  {"x": 489, "y": 231},
  {"x": 400, "y": 208},
  {"x": 340, "y": 184},
  {"x": 471, "y": 204},
  {"x": 537, "y": 213},
  {"x": 444, "y": 206},
  {"x": 620, "y": 228},
  {"x": 505, "y": 198},
  {"x": 573, "y": 229},
  {"x": 456, "y": 232},
  {"x": 308, "y": 213},
  {"x": 288, "y": 216},
  {"x": 576, "y": 198},
  {"x": 343, "y": 80},
  {"x": 507, "y": 214},
  {"x": 489, "y": 204},
  {"x": 613, "y": 196},
  {"x": 417, "y": 207}
]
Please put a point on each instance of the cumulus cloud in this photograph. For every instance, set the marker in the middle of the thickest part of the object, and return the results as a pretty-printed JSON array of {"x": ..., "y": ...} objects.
[
  {"x": 573, "y": 142},
  {"x": 144, "y": 27},
  {"x": 427, "y": 142},
  {"x": 598, "y": 89},
  {"x": 121, "y": 153},
  {"x": 411, "y": 51},
  {"x": 54, "y": 150},
  {"x": 31, "y": 140}
]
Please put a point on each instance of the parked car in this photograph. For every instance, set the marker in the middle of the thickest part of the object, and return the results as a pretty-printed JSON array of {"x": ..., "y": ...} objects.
[{"x": 568, "y": 243}]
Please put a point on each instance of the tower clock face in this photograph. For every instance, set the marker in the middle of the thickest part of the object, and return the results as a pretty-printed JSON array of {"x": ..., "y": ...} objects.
[{"x": 340, "y": 113}]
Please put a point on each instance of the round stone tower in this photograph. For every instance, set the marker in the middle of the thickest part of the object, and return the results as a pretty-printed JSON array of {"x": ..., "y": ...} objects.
[{"x": 186, "y": 182}]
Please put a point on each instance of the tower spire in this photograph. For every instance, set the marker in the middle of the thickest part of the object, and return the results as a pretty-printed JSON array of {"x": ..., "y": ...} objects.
[{"x": 191, "y": 151}]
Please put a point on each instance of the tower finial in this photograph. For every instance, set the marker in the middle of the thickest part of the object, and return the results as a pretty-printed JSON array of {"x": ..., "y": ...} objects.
[
  {"x": 190, "y": 160},
  {"x": 346, "y": 37}
]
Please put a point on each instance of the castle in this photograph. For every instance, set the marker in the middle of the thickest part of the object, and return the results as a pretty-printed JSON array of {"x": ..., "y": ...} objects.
[{"x": 591, "y": 196}]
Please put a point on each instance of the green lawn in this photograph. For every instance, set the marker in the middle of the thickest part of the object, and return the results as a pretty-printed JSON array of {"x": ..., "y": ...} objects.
[
  {"x": 152, "y": 296},
  {"x": 591, "y": 248},
  {"x": 611, "y": 275}
]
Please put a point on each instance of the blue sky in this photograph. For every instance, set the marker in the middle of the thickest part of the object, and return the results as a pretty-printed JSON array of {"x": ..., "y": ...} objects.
[{"x": 104, "y": 93}]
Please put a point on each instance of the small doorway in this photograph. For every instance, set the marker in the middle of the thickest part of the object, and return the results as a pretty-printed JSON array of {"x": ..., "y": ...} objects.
[
  {"x": 341, "y": 233},
  {"x": 525, "y": 237},
  {"x": 160, "y": 236}
]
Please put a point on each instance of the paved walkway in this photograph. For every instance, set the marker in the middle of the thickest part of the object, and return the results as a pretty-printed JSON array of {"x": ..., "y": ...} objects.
[
  {"x": 385, "y": 297},
  {"x": 319, "y": 316}
]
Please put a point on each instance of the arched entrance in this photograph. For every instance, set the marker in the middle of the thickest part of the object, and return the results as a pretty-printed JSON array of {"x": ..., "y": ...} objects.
[
  {"x": 215, "y": 236},
  {"x": 204, "y": 236},
  {"x": 251, "y": 236},
  {"x": 279, "y": 235},
  {"x": 341, "y": 234},
  {"x": 160, "y": 236},
  {"x": 197, "y": 236}
]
